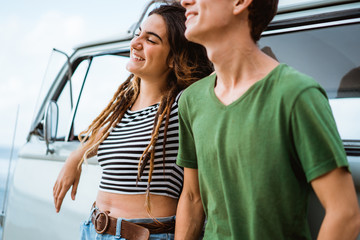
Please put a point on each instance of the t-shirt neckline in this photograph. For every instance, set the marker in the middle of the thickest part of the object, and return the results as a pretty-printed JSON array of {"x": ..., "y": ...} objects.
[
  {"x": 249, "y": 91},
  {"x": 142, "y": 109}
]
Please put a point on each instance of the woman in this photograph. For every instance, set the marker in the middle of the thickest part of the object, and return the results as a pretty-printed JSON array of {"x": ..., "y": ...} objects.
[{"x": 136, "y": 135}]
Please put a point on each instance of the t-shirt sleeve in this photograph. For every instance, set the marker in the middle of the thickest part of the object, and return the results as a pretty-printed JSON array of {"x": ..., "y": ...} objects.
[
  {"x": 316, "y": 138},
  {"x": 187, "y": 152}
]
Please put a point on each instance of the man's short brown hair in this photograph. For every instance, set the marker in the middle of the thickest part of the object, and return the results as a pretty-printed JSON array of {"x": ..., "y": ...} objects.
[{"x": 261, "y": 12}]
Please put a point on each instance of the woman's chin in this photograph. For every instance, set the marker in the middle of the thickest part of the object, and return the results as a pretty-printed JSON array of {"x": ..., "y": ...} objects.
[{"x": 133, "y": 69}]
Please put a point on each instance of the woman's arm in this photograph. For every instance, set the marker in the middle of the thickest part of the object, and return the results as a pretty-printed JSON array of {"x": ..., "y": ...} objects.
[
  {"x": 70, "y": 174},
  {"x": 190, "y": 213}
]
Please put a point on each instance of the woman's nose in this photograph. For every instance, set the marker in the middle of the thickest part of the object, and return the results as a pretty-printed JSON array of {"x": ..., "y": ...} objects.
[{"x": 136, "y": 43}]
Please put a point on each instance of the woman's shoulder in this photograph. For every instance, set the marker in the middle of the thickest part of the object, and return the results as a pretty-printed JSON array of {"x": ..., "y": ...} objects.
[{"x": 178, "y": 96}]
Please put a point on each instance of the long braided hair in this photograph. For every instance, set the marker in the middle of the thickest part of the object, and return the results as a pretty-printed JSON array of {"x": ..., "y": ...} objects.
[{"x": 190, "y": 63}]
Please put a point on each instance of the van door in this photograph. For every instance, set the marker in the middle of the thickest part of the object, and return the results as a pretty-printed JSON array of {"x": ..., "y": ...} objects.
[{"x": 31, "y": 212}]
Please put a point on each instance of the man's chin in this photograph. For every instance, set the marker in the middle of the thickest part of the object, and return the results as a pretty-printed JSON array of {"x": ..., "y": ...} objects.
[{"x": 191, "y": 35}]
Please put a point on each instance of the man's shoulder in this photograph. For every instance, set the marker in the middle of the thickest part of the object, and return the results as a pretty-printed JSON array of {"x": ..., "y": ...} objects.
[
  {"x": 289, "y": 76},
  {"x": 198, "y": 87},
  {"x": 292, "y": 82}
]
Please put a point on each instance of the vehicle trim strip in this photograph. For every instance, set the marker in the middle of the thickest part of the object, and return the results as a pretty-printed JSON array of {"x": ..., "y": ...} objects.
[{"x": 312, "y": 26}]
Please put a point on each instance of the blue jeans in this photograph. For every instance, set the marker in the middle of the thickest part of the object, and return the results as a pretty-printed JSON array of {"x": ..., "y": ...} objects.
[{"x": 87, "y": 230}]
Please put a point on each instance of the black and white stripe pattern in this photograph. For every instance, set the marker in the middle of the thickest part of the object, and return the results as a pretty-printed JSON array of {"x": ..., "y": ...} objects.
[{"x": 119, "y": 155}]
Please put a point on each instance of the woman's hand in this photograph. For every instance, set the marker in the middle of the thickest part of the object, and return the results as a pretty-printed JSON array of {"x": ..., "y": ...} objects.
[{"x": 68, "y": 176}]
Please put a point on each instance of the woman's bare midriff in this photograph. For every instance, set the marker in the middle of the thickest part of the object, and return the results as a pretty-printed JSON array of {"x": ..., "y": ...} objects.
[{"x": 133, "y": 206}]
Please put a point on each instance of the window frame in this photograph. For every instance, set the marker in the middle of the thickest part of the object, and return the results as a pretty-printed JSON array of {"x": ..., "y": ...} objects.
[{"x": 121, "y": 52}]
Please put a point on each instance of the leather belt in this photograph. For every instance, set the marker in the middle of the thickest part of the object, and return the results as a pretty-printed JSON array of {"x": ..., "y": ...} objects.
[{"x": 132, "y": 231}]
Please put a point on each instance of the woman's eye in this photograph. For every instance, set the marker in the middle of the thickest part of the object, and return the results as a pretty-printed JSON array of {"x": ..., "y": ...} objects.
[
  {"x": 137, "y": 33},
  {"x": 151, "y": 40}
]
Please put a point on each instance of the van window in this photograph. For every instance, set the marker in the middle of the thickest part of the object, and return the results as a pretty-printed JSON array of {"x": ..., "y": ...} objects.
[
  {"x": 105, "y": 75},
  {"x": 57, "y": 63},
  {"x": 331, "y": 56},
  {"x": 68, "y": 97}
]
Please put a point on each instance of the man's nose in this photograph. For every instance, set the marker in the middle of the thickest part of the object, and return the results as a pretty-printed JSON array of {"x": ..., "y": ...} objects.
[{"x": 185, "y": 3}]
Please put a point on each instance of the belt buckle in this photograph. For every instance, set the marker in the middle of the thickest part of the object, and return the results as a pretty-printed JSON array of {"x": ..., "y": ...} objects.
[{"x": 100, "y": 231}]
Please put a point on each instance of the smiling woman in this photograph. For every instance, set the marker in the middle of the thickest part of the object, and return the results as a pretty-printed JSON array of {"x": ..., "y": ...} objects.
[{"x": 136, "y": 136}]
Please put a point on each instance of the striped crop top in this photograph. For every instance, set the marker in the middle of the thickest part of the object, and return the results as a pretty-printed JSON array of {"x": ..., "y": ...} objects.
[{"x": 119, "y": 155}]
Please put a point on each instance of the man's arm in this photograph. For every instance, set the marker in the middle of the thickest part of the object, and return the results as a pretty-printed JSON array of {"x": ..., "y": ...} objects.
[
  {"x": 190, "y": 213},
  {"x": 337, "y": 194}
]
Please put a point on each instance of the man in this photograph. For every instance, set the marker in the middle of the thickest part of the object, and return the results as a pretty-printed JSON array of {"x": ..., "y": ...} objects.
[{"x": 255, "y": 137}]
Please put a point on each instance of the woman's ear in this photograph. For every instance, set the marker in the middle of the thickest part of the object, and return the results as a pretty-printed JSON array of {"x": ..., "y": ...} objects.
[
  {"x": 240, "y": 6},
  {"x": 171, "y": 62}
]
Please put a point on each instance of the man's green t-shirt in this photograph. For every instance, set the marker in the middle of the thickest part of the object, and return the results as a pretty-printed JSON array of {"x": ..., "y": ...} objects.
[{"x": 256, "y": 156}]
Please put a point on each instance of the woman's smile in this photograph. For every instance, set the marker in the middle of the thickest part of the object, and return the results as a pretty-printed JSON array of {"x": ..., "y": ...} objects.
[{"x": 136, "y": 57}]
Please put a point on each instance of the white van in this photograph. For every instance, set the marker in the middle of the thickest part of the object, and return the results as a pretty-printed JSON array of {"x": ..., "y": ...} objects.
[{"x": 320, "y": 38}]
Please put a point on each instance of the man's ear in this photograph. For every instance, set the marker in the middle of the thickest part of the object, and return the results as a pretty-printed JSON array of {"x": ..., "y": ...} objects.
[{"x": 241, "y": 5}]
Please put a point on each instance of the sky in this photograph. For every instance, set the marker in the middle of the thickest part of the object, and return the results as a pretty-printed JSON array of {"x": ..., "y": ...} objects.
[{"x": 29, "y": 30}]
